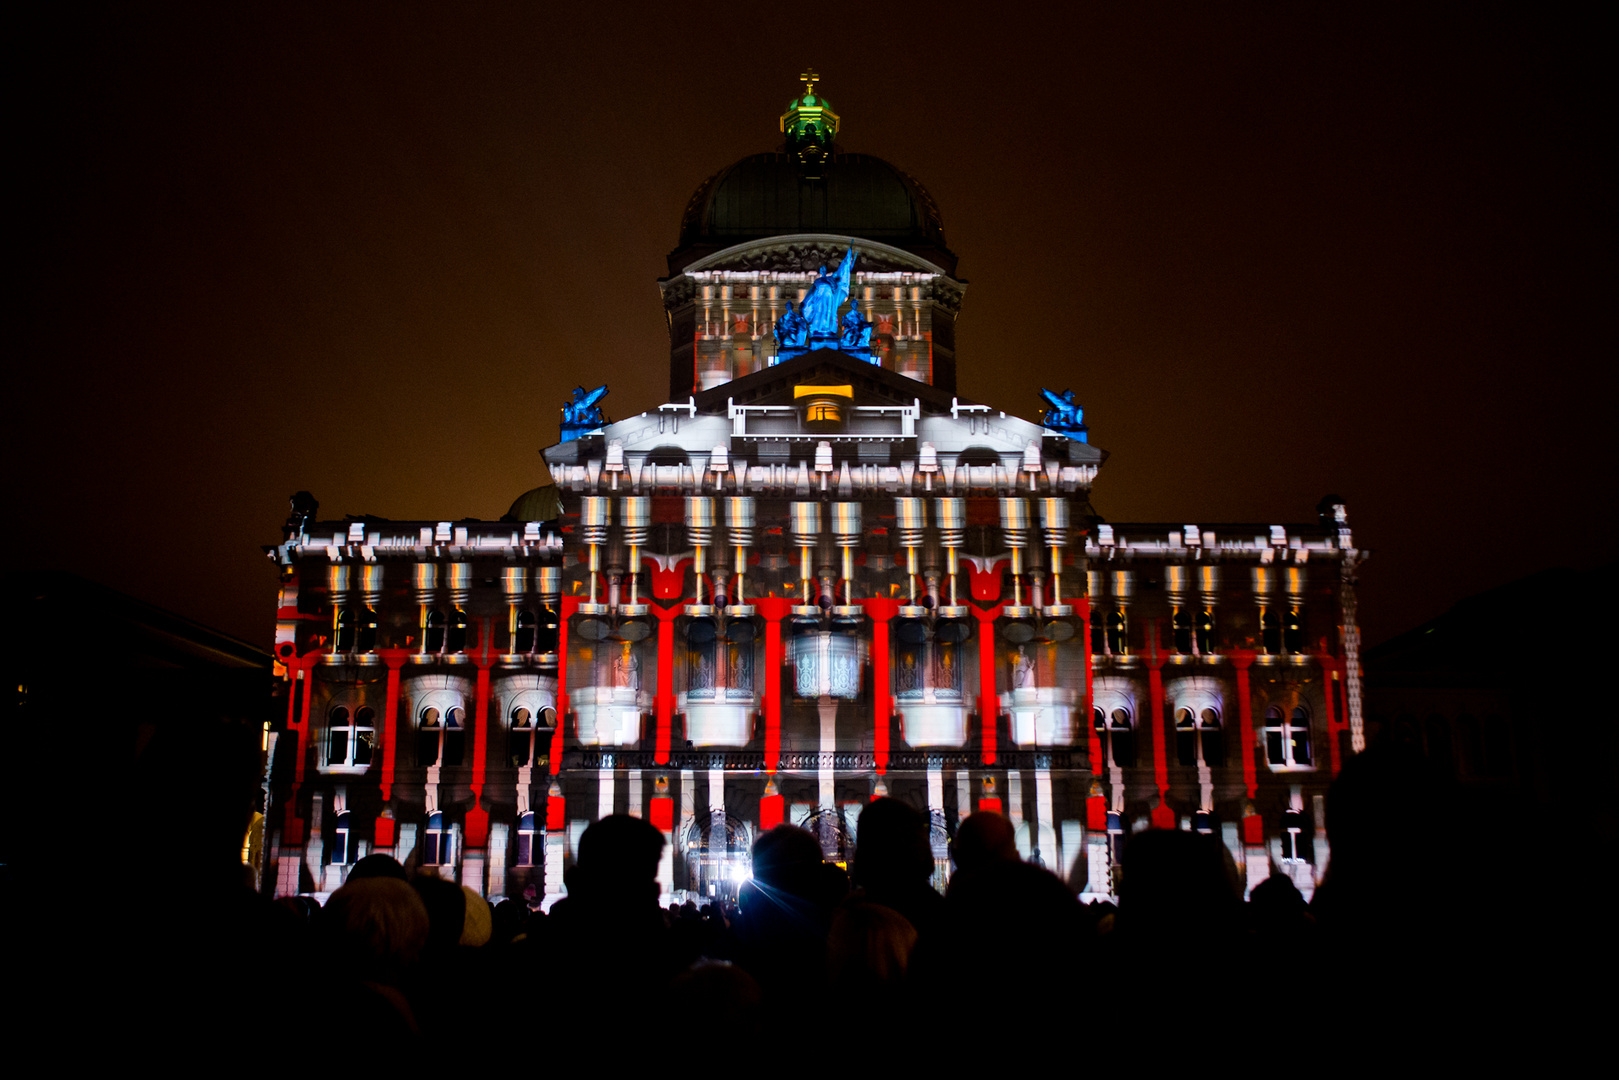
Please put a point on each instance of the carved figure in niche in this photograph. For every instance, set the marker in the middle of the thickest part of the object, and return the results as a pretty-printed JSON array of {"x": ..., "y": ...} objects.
[
  {"x": 791, "y": 329},
  {"x": 856, "y": 331},
  {"x": 826, "y": 297},
  {"x": 627, "y": 669},
  {"x": 1022, "y": 670},
  {"x": 1063, "y": 415}
]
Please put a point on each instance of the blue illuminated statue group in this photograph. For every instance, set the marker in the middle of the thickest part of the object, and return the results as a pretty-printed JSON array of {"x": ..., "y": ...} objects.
[
  {"x": 1063, "y": 415},
  {"x": 814, "y": 324},
  {"x": 582, "y": 414}
]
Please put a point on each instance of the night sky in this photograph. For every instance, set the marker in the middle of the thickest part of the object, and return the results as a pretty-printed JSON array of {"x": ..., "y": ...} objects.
[{"x": 1276, "y": 250}]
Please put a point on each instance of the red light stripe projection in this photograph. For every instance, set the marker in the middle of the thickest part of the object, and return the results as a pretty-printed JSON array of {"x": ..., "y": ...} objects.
[
  {"x": 1329, "y": 688},
  {"x": 989, "y": 706},
  {"x": 395, "y": 659},
  {"x": 1162, "y": 816},
  {"x": 881, "y": 609},
  {"x": 477, "y": 821},
  {"x": 774, "y": 609},
  {"x": 570, "y": 604},
  {"x": 665, "y": 702},
  {"x": 1240, "y": 660}
]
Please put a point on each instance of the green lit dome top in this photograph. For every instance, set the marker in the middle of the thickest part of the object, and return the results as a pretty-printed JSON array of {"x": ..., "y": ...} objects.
[{"x": 810, "y": 187}]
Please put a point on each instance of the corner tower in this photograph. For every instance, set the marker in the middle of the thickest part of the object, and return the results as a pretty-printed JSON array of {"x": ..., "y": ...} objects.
[{"x": 756, "y": 235}]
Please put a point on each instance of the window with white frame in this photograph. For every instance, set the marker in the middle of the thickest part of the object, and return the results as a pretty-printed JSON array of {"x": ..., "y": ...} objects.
[
  {"x": 345, "y": 841},
  {"x": 1298, "y": 839},
  {"x": 1118, "y": 737},
  {"x": 440, "y": 736},
  {"x": 1287, "y": 738},
  {"x": 525, "y": 839},
  {"x": 1198, "y": 737},
  {"x": 438, "y": 844},
  {"x": 351, "y": 737}
]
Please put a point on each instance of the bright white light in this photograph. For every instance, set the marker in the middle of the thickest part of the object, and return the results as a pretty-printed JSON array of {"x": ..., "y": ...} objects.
[{"x": 738, "y": 873}]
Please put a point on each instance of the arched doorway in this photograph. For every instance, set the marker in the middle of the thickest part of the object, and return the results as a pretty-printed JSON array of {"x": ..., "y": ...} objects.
[
  {"x": 718, "y": 856},
  {"x": 828, "y": 826}
]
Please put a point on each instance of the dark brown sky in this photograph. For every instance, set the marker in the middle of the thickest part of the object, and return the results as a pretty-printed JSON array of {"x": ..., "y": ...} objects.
[{"x": 1276, "y": 250}]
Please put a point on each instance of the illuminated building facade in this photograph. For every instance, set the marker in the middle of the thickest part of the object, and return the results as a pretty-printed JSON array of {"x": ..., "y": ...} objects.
[{"x": 815, "y": 575}]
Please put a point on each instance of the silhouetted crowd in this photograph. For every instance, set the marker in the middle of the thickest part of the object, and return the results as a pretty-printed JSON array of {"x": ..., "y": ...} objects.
[{"x": 397, "y": 966}]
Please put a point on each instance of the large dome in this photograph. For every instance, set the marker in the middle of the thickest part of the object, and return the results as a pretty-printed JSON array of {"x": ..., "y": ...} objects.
[{"x": 855, "y": 195}]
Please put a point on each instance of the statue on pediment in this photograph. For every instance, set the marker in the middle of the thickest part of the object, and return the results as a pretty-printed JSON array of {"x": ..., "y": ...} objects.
[
  {"x": 583, "y": 413},
  {"x": 1064, "y": 414},
  {"x": 854, "y": 332},
  {"x": 827, "y": 296},
  {"x": 791, "y": 329}
]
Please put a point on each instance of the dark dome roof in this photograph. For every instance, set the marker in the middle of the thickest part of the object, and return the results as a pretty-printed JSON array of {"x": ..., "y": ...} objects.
[{"x": 769, "y": 195}]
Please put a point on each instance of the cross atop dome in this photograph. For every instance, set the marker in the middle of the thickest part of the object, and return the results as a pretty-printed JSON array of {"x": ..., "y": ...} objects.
[{"x": 809, "y": 79}]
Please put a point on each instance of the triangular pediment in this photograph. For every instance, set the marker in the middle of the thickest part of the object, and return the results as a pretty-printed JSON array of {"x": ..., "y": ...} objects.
[{"x": 870, "y": 384}]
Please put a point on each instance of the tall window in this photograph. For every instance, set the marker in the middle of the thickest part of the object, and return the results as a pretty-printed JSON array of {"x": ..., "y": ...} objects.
[
  {"x": 1198, "y": 738},
  {"x": 1098, "y": 632},
  {"x": 1183, "y": 631},
  {"x": 435, "y": 631},
  {"x": 345, "y": 631},
  {"x": 1117, "y": 633},
  {"x": 1271, "y": 631},
  {"x": 1298, "y": 840},
  {"x": 346, "y": 843},
  {"x": 441, "y": 737},
  {"x": 1118, "y": 738},
  {"x": 525, "y": 839},
  {"x": 1287, "y": 738},
  {"x": 437, "y": 849},
  {"x": 523, "y": 642},
  {"x": 456, "y": 640},
  {"x": 1293, "y": 631},
  {"x": 366, "y": 641},
  {"x": 350, "y": 737},
  {"x": 1205, "y": 631}
]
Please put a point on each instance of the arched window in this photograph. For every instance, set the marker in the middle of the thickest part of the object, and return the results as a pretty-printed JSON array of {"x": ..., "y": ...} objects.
[
  {"x": 441, "y": 736},
  {"x": 455, "y": 641},
  {"x": 1287, "y": 738},
  {"x": 525, "y": 840},
  {"x": 1271, "y": 632},
  {"x": 367, "y": 641},
  {"x": 1205, "y": 631},
  {"x": 345, "y": 631},
  {"x": 1183, "y": 631},
  {"x": 438, "y": 847},
  {"x": 434, "y": 638},
  {"x": 1118, "y": 642},
  {"x": 350, "y": 737},
  {"x": 524, "y": 640},
  {"x": 1293, "y": 631},
  {"x": 1197, "y": 738},
  {"x": 1117, "y": 736}
]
